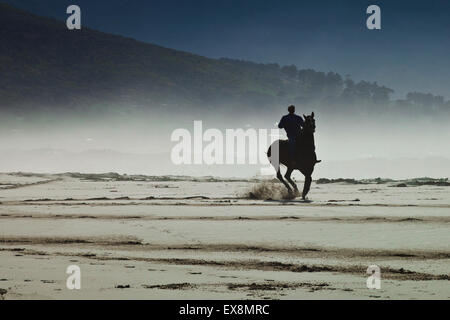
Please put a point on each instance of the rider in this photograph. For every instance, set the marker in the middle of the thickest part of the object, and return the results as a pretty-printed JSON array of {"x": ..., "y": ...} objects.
[{"x": 292, "y": 123}]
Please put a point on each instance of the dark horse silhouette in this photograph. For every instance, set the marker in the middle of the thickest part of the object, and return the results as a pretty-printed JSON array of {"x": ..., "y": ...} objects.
[{"x": 305, "y": 158}]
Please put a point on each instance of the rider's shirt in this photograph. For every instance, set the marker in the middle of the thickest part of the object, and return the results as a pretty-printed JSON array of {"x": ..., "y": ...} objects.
[{"x": 292, "y": 123}]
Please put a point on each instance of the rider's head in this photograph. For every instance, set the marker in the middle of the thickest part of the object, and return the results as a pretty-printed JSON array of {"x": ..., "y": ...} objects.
[{"x": 291, "y": 109}]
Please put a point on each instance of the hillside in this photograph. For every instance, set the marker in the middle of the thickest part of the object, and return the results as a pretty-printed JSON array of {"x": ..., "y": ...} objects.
[
  {"x": 46, "y": 67},
  {"x": 46, "y": 62}
]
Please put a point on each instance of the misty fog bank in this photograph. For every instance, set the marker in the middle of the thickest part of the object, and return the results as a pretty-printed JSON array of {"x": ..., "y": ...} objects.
[
  {"x": 350, "y": 145},
  {"x": 102, "y": 161}
]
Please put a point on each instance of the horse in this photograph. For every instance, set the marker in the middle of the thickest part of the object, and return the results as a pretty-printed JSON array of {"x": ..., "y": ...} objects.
[{"x": 305, "y": 158}]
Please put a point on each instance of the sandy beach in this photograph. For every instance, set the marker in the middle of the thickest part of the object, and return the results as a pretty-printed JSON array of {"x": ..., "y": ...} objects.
[{"x": 206, "y": 238}]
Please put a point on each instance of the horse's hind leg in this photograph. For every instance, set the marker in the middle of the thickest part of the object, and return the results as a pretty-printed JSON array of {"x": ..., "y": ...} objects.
[
  {"x": 306, "y": 186},
  {"x": 280, "y": 177},
  {"x": 288, "y": 178}
]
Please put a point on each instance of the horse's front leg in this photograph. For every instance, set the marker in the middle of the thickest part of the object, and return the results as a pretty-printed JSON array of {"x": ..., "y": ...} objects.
[
  {"x": 288, "y": 178},
  {"x": 306, "y": 186},
  {"x": 280, "y": 177}
]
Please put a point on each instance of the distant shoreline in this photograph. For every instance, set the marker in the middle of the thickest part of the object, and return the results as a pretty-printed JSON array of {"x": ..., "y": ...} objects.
[{"x": 113, "y": 176}]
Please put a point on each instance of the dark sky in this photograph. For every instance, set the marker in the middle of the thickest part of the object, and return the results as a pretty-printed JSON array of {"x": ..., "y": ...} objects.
[{"x": 411, "y": 52}]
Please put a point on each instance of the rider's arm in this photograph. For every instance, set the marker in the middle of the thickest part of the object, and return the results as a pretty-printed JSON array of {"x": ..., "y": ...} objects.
[
  {"x": 301, "y": 121},
  {"x": 281, "y": 123}
]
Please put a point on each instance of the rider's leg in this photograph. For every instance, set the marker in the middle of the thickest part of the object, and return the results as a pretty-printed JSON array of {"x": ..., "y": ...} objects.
[{"x": 292, "y": 145}]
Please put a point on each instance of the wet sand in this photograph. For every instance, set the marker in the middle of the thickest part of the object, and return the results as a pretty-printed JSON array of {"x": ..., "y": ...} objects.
[{"x": 206, "y": 239}]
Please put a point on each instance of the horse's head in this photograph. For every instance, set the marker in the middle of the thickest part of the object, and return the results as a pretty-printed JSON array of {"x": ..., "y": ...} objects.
[{"x": 310, "y": 123}]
